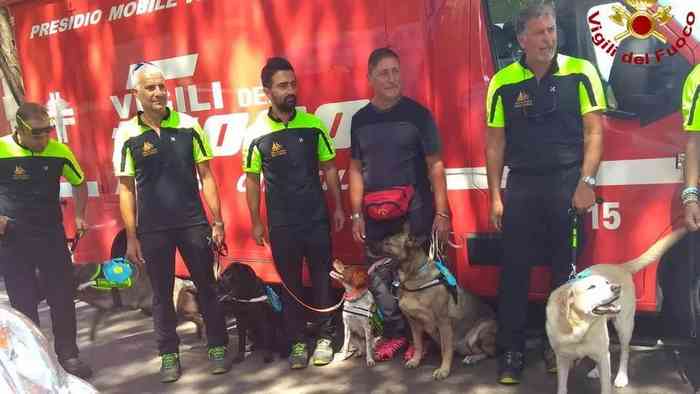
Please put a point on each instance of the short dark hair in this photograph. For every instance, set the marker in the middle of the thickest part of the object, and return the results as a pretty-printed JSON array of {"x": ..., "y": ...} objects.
[
  {"x": 531, "y": 11},
  {"x": 273, "y": 65},
  {"x": 378, "y": 55},
  {"x": 29, "y": 110}
]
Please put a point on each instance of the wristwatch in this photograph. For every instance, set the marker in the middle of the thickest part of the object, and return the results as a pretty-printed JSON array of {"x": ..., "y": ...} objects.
[
  {"x": 589, "y": 180},
  {"x": 355, "y": 216}
]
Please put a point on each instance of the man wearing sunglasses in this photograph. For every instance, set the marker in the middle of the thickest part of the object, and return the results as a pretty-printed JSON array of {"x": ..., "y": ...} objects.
[
  {"x": 31, "y": 227},
  {"x": 158, "y": 156},
  {"x": 543, "y": 114}
]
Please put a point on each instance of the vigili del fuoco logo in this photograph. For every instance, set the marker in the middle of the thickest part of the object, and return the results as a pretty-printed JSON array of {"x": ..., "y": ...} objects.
[{"x": 640, "y": 19}]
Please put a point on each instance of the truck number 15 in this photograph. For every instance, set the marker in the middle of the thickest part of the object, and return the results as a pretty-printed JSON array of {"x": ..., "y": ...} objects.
[{"x": 610, "y": 215}]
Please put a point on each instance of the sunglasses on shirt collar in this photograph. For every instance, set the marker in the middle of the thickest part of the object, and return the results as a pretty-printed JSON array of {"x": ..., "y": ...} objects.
[{"x": 37, "y": 131}]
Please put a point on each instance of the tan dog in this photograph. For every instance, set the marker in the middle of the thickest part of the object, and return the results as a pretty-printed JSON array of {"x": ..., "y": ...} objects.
[
  {"x": 357, "y": 310},
  {"x": 466, "y": 325},
  {"x": 578, "y": 312}
]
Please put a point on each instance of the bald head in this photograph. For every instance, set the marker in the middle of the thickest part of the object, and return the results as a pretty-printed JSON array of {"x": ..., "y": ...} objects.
[{"x": 148, "y": 83}]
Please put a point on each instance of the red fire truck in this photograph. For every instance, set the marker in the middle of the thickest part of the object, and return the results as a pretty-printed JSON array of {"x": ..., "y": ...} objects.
[{"x": 76, "y": 56}]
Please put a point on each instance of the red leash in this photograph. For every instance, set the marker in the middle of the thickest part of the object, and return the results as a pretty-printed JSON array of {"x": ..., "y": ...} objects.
[{"x": 319, "y": 310}]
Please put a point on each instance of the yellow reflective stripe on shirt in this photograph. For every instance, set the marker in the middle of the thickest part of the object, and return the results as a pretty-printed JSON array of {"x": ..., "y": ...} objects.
[
  {"x": 326, "y": 149},
  {"x": 690, "y": 108}
]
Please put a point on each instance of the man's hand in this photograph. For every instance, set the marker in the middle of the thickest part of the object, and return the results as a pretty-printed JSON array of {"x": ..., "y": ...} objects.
[
  {"x": 133, "y": 251},
  {"x": 339, "y": 219},
  {"x": 692, "y": 216},
  {"x": 218, "y": 234},
  {"x": 497, "y": 214},
  {"x": 358, "y": 230},
  {"x": 259, "y": 233},
  {"x": 3, "y": 224},
  {"x": 81, "y": 226},
  {"x": 442, "y": 226},
  {"x": 584, "y": 198}
]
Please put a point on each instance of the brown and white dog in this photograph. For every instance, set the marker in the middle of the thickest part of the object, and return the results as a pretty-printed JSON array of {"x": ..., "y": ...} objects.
[
  {"x": 357, "y": 310},
  {"x": 578, "y": 312},
  {"x": 459, "y": 322}
]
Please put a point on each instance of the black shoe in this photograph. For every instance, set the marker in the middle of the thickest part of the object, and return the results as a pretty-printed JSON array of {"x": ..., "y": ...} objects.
[
  {"x": 510, "y": 368},
  {"x": 170, "y": 367},
  {"x": 77, "y": 367},
  {"x": 550, "y": 359}
]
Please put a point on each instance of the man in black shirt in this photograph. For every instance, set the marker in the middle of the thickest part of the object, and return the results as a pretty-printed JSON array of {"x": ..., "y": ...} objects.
[
  {"x": 159, "y": 154},
  {"x": 31, "y": 229},
  {"x": 395, "y": 142},
  {"x": 543, "y": 114},
  {"x": 288, "y": 147}
]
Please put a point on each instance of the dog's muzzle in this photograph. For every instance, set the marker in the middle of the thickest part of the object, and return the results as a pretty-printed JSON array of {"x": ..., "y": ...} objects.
[{"x": 609, "y": 307}]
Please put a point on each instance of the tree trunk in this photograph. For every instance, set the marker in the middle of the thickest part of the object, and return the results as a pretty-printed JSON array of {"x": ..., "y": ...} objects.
[{"x": 9, "y": 63}]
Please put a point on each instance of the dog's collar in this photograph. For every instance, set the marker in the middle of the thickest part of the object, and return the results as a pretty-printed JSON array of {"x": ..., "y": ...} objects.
[
  {"x": 355, "y": 294},
  {"x": 262, "y": 298}
]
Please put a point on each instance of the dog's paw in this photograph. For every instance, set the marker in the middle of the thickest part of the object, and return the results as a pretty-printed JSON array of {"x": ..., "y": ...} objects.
[
  {"x": 370, "y": 362},
  {"x": 441, "y": 373},
  {"x": 472, "y": 359},
  {"x": 621, "y": 380},
  {"x": 412, "y": 363},
  {"x": 594, "y": 374}
]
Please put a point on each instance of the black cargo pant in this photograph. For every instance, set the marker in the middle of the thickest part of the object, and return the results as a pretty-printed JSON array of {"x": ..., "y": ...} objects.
[
  {"x": 158, "y": 249},
  {"x": 290, "y": 246},
  {"x": 22, "y": 252},
  {"x": 536, "y": 229}
]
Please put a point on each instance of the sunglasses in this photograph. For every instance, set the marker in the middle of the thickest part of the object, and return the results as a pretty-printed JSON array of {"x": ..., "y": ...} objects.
[
  {"x": 37, "y": 131},
  {"x": 142, "y": 64}
]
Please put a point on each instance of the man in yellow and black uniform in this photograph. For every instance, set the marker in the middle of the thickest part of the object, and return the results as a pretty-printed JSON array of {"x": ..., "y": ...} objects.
[
  {"x": 690, "y": 196},
  {"x": 158, "y": 156},
  {"x": 31, "y": 227},
  {"x": 543, "y": 114},
  {"x": 289, "y": 147}
]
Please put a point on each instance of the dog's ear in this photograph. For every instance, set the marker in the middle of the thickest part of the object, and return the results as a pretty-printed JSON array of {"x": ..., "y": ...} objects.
[
  {"x": 563, "y": 301},
  {"x": 338, "y": 266}
]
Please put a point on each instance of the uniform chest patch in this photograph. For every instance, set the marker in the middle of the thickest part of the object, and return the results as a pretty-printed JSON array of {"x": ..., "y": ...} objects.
[
  {"x": 277, "y": 150},
  {"x": 149, "y": 149},
  {"x": 523, "y": 100},
  {"x": 20, "y": 174}
]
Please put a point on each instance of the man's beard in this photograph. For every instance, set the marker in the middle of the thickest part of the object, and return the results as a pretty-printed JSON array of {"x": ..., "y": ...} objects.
[{"x": 287, "y": 104}]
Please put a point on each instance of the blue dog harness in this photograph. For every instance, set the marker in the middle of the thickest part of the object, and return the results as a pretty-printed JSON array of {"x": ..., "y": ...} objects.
[{"x": 444, "y": 278}]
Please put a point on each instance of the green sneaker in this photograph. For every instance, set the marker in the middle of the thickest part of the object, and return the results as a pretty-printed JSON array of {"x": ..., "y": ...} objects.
[
  {"x": 170, "y": 367},
  {"x": 299, "y": 357},
  {"x": 218, "y": 361},
  {"x": 323, "y": 354}
]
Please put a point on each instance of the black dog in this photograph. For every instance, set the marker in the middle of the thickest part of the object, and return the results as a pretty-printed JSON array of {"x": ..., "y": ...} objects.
[{"x": 242, "y": 294}]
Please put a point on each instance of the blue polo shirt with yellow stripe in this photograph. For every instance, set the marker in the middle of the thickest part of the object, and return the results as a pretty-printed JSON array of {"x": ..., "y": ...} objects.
[
  {"x": 543, "y": 119},
  {"x": 30, "y": 182},
  {"x": 288, "y": 156},
  {"x": 164, "y": 169}
]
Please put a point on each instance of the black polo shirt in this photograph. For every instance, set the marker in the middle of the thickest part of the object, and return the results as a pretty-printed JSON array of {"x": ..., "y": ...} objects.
[
  {"x": 30, "y": 182},
  {"x": 164, "y": 167},
  {"x": 392, "y": 146},
  {"x": 543, "y": 120},
  {"x": 288, "y": 156}
]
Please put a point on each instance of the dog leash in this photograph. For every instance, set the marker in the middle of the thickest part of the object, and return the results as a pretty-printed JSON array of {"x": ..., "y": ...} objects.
[{"x": 297, "y": 299}]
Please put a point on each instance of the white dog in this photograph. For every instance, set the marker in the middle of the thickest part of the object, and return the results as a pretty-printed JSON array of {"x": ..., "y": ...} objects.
[{"x": 578, "y": 312}]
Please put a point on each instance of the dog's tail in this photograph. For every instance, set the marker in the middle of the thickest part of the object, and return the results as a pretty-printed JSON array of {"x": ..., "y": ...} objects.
[{"x": 656, "y": 250}]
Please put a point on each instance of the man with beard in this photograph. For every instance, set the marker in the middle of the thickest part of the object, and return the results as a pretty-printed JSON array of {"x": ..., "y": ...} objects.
[
  {"x": 158, "y": 155},
  {"x": 288, "y": 147},
  {"x": 544, "y": 119}
]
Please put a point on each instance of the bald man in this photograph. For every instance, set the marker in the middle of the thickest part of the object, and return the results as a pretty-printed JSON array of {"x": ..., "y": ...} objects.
[{"x": 157, "y": 157}]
